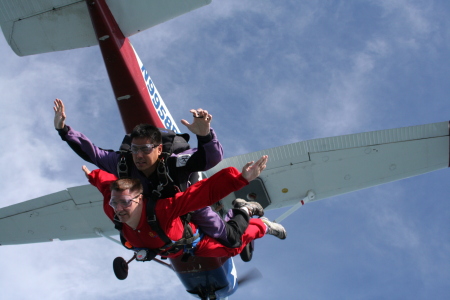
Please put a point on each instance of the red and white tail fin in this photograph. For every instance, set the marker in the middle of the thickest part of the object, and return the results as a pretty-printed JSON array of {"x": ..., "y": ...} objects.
[{"x": 136, "y": 95}]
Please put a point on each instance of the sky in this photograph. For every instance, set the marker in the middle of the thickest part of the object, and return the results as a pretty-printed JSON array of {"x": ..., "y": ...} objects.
[{"x": 271, "y": 73}]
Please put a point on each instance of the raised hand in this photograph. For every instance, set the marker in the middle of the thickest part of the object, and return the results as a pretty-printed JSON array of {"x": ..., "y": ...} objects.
[
  {"x": 60, "y": 115},
  {"x": 201, "y": 124},
  {"x": 252, "y": 170}
]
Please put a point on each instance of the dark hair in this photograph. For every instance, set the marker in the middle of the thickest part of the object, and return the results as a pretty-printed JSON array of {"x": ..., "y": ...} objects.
[
  {"x": 147, "y": 131},
  {"x": 120, "y": 185}
]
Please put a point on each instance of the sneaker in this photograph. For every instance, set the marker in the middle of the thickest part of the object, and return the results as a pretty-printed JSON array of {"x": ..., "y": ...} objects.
[
  {"x": 275, "y": 229},
  {"x": 254, "y": 208}
]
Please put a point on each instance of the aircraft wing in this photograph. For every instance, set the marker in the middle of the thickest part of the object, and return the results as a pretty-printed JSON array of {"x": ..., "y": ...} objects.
[
  {"x": 342, "y": 164},
  {"x": 39, "y": 26},
  {"x": 328, "y": 166},
  {"x": 74, "y": 213}
]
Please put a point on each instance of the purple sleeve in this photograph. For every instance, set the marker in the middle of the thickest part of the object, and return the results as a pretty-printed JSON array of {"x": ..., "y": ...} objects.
[
  {"x": 213, "y": 151},
  {"x": 80, "y": 144},
  {"x": 208, "y": 154}
]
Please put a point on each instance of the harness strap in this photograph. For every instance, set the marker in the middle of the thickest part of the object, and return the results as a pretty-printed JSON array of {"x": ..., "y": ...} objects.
[
  {"x": 151, "y": 218},
  {"x": 161, "y": 170}
]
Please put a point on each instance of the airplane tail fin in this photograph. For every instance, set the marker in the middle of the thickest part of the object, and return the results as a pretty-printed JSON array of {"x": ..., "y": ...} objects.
[{"x": 136, "y": 95}]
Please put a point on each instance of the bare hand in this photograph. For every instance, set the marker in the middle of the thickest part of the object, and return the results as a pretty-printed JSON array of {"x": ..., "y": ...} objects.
[
  {"x": 252, "y": 170},
  {"x": 60, "y": 115},
  {"x": 201, "y": 124},
  {"x": 86, "y": 171}
]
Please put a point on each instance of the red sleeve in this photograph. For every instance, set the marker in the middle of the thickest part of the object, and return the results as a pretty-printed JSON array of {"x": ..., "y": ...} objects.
[
  {"x": 102, "y": 181},
  {"x": 201, "y": 194}
]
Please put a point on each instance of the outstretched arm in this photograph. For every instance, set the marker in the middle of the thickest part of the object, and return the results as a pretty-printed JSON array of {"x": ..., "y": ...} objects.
[
  {"x": 252, "y": 170},
  {"x": 60, "y": 115},
  {"x": 201, "y": 124},
  {"x": 102, "y": 181},
  {"x": 105, "y": 160},
  {"x": 211, "y": 190}
]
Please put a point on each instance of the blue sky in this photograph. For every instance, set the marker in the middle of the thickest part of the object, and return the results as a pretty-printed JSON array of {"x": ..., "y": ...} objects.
[{"x": 271, "y": 73}]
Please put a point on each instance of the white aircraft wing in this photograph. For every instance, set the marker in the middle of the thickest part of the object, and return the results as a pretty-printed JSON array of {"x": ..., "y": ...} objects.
[
  {"x": 74, "y": 213},
  {"x": 342, "y": 164},
  {"x": 327, "y": 166},
  {"x": 39, "y": 26}
]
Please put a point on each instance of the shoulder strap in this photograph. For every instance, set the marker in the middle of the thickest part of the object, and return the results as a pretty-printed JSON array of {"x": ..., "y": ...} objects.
[
  {"x": 118, "y": 225},
  {"x": 125, "y": 161},
  {"x": 153, "y": 222},
  {"x": 163, "y": 174}
]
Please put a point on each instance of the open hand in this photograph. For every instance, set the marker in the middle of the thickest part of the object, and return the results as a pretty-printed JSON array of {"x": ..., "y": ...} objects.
[
  {"x": 252, "y": 170},
  {"x": 201, "y": 124},
  {"x": 60, "y": 115}
]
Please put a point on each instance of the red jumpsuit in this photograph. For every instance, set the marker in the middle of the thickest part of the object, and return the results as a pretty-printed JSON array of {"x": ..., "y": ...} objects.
[{"x": 168, "y": 211}]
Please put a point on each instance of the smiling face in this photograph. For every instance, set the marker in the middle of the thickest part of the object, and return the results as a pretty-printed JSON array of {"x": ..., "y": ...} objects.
[
  {"x": 127, "y": 206},
  {"x": 145, "y": 162}
]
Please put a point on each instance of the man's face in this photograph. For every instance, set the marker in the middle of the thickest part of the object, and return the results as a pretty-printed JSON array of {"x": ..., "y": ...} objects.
[
  {"x": 145, "y": 162},
  {"x": 125, "y": 205}
]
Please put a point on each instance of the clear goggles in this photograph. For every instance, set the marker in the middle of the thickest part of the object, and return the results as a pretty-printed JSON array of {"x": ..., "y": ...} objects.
[
  {"x": 146, "y": 149},
  {"x": 123, "y": 201}
]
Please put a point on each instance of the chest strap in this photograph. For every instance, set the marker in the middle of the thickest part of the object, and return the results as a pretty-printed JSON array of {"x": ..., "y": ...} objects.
[
  {"x": 170, "y": 246},
  {"x": 151, "y": 218}
]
